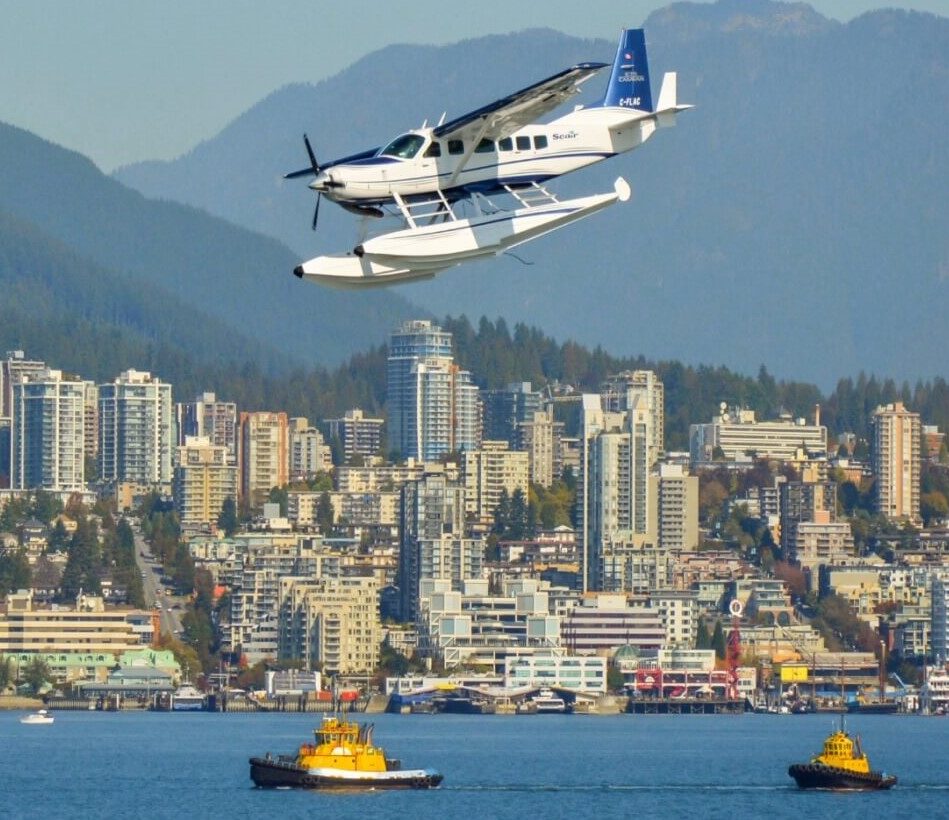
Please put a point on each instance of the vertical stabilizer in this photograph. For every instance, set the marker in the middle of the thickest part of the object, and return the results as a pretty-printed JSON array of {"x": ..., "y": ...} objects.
[{"x": 629, "y": 82}]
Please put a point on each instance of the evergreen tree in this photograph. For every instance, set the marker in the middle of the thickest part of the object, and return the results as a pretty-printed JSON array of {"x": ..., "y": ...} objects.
[
  {"x": 82, "y": 565},
  {"x": 702, "y": 639},
  {"x": 227, "y": 520},
  {"x": 36, "y": 674},
  {"x": 58, "y": 540},
  {"x": 15, "y": 572},
  {"x": 718, "y": 641},
  {"x": 324, "y": 513}
]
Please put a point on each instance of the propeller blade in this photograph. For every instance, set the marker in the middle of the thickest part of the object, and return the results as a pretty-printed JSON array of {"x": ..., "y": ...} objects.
[
  {"x": 309, "y": 149},
  {"x": 316, "y": 211}
]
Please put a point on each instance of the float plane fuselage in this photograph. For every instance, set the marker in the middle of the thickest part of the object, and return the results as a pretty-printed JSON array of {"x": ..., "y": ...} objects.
[{"x": 499, "y": 148}]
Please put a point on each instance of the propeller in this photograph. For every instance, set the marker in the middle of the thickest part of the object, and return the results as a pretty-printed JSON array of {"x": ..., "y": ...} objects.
[{"x": 314, "y": 170}]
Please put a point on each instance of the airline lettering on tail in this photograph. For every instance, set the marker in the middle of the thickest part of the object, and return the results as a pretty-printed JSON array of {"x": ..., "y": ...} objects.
[{"x": 630, "y": 77}]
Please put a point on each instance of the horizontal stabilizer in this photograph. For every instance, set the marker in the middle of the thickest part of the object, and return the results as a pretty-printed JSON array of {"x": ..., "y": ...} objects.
[{"x": 668, "y": 107}]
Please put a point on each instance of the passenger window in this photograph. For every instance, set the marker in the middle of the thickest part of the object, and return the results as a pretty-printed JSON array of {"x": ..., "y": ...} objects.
[
  {"x": 505, "y": 144},
  {"x": 434, "y": 150},
  {"x": 456, "y": 147},
  {"x": 523, "y": 143},
  {"x": 484, "y": 147},
  {"x": 540, "y": 142}
]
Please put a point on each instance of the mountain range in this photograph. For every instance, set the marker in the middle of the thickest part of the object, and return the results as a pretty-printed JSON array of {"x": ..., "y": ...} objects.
[
  {"x": 797, "y": 217},
  {"x": 76, "y": 243}
]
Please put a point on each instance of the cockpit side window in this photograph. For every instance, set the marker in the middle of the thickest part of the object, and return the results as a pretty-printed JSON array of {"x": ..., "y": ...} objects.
[
  {"x": 434, "y": 150},
  {"x": 404, "y": 147}
]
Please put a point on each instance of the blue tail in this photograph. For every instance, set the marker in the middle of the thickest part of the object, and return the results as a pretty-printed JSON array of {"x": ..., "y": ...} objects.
[{"x": 629, "y": 82}]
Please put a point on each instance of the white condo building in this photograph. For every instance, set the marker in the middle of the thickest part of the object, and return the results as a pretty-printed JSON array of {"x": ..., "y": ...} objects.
[
  {"x": 135, "y": 429},
  {"x": 48, "y": 432},
  {"x": 616, "y": 498},
  {"x": 897, "y": 434},
  {"x": 434, "y": 406}
]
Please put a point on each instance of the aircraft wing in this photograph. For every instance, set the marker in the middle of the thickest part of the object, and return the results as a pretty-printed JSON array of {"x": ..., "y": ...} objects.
[{"x": 509, "y": 114}]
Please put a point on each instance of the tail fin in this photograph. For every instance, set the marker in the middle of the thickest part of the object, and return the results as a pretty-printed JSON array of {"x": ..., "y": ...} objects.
[{"x": 629, "y": 82}]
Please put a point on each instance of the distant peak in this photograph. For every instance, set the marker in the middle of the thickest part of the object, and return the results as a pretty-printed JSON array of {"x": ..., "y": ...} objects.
[{"x": 690, "y": 20}]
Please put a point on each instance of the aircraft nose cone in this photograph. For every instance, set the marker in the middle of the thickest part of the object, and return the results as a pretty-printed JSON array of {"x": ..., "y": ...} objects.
[{"x": 298, "y": 271}]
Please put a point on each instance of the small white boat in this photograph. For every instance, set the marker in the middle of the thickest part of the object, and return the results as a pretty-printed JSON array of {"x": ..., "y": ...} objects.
[
  {"x": 188, "y": 699},
  {"x": 547, "y": 702},
  {"x": 39, "y": 717}
]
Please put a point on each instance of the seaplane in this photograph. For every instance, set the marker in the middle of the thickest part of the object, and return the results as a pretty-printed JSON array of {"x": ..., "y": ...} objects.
[{"x": 439, "y": 181}]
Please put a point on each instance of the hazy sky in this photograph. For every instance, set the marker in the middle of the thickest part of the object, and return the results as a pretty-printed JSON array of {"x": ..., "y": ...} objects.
[{"x": 127, "y": 80}]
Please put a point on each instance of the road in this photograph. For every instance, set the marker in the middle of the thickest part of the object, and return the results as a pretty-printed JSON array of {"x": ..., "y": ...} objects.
[{"x": 155, "y": 595}]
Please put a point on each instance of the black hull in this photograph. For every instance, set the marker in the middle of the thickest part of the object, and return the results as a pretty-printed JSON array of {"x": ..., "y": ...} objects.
[
  {"x": 273, "y": 773},
  {"x": 817, "y": 776}
]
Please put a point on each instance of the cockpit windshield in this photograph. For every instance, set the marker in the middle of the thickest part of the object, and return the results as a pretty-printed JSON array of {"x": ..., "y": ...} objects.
[{"x": 404, "y": 147}]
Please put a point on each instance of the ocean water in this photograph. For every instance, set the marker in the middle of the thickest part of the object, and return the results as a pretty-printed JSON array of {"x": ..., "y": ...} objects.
[{"x": 161, "y": 765}]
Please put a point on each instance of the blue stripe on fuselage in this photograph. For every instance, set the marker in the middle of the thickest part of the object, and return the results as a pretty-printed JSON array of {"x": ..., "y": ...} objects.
[{"x": 488, "y": 185}]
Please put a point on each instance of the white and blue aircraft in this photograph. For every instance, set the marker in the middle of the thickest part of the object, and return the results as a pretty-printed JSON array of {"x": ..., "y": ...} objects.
[{"x": 424, "y": 174}]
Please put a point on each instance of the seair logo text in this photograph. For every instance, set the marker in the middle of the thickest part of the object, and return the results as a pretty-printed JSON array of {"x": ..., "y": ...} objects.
[{"x": 570, "y": 135}]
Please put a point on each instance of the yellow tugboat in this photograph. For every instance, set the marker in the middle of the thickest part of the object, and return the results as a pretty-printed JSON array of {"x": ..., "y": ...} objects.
[
  {"x": 343, "y": 757},
  {"x": 842, "y": 765}
]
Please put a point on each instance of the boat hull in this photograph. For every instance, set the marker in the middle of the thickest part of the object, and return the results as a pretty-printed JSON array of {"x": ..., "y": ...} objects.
[
  {"x": 818, "y": 776},
  {"x": 278, "y": 773}
]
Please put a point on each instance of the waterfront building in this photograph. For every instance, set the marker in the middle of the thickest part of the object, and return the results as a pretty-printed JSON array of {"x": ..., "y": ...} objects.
[
  {"x": 505, "y": 410},
  {"x": 331, "y": 623},
  {"x": 309, "y": 453},
  {"x": 603, "y": 622},
  {"x": 622, "y": 392},
  {"x": 204, "y": 478},
  {"x": 210, "y": 418},
  {"x": 469, "y": 626},
  {"x": 264, "y": 455},
  {"x": 136, "y": 430},
  {"x": 389, "y": 477},
  {"x": 87, "y": 627},
  {"x": 736, "y": 436},
  {"x": 431, "y": 521},
  {"x": 48, "y": 432},
  {"x": 678, "y": 613},
  {"x": 896, "y": 462},
  {"x": 490, "y": 471},
  {"x": 360, "y": 435},
  {"x": 577, "y": 673}
]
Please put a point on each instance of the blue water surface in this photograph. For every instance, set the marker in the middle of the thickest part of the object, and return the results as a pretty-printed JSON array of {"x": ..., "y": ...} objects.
[{"x": 161, "y": 765}]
